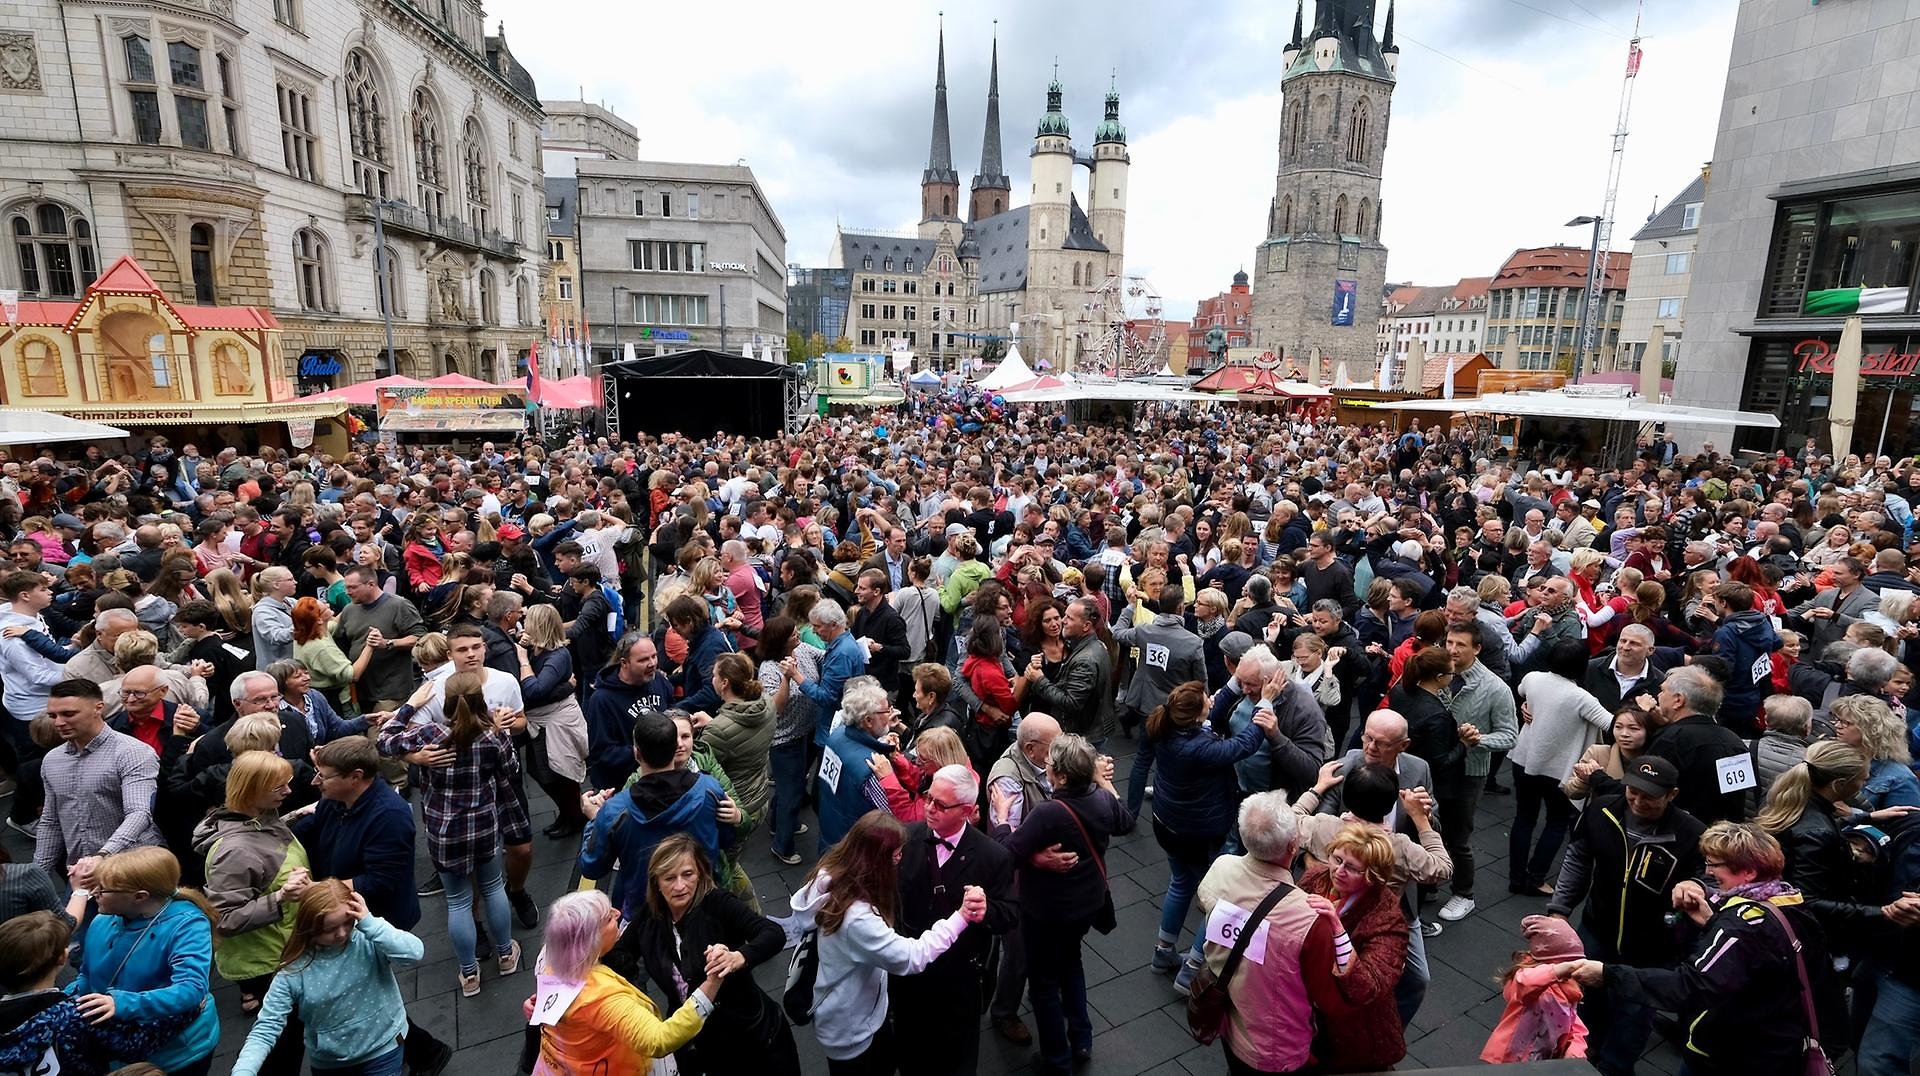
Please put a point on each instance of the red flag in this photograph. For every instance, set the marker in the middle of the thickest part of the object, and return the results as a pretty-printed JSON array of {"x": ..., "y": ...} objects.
[
  {"x": 1633, "y": 59},
  {"x": 533, "y": 372}
]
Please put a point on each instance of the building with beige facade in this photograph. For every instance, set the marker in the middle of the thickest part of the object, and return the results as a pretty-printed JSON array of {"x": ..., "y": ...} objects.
[
  {"x": 1536, "y": 296},
  {"x": 256, "y": 153},
  {"x": 1662, "y": 275}
]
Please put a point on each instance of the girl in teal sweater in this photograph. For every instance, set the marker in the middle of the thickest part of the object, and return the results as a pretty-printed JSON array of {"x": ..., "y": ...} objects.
[{"x": 336, "y": 974}]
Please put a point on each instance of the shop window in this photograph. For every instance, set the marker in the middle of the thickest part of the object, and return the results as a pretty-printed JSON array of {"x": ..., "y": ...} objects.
[
  {"x": 42, "y": 370},
  {"x": 1868, "y": 246}
]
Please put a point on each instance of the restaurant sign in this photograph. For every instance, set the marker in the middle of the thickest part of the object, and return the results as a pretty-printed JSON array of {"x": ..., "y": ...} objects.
[
  {"x": 453, "y": 408},
  {"x": 1815, "y": 356}
]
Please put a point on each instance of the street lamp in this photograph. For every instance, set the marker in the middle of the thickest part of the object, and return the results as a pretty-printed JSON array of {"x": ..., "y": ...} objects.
[
  {"x": 383, "y": 281},
  {"x": 1588, "y": 303}
]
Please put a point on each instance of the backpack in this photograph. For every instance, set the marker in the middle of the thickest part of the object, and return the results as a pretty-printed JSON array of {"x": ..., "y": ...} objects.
[
  {"x": 612, "y": 594},
  {"x": 803, "y": 969}
]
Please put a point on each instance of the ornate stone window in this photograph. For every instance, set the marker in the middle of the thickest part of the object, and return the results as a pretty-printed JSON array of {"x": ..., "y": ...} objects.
[
  {"x": 187, "y": 81},
  {"x": 473, "y": 157},
  {"x": 367, "y": 127},
  {"x": 200, "y": 262},
  {"x": 143, "y": 94},
  {"x": 429, "y": 155},
  {"x": 313, "y": 277},
  {"x": 54, "y": 250},
  {"x": 297, "y": 131},
  {"x": 1357, "y": 133}
]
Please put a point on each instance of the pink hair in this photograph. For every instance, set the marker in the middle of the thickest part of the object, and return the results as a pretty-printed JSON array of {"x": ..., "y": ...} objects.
[{"x": 572, "y": 939}]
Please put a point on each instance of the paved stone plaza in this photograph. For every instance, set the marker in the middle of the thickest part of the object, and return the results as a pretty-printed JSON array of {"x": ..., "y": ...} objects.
[{"x": 1139, "y": 1022}]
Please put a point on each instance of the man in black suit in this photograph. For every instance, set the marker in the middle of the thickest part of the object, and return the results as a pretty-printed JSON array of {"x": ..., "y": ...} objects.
[
  {"x": 880, "y": 629},
  {"x": 1627, "y": 672},
  {"x": 936, "y": 1014}
]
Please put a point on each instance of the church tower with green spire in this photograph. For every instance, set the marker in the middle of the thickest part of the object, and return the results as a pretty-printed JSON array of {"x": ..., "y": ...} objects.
[{"x": 1319, "y": 271}]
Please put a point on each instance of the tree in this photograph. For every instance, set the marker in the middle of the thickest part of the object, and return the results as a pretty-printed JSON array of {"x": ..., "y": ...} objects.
[
  {"x": 816, "y": 345},
  {"x": 796, "y": 346},
  {"x": 993, "y": 350},
  {"x": 841, "y": 346}
]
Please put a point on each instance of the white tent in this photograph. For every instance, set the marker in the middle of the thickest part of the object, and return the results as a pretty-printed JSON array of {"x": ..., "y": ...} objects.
[
  {"x": 1591, "y": 408},
  {"x": 47, "y": 427},
  {"x": 1013, "y": 370},
  {"x": 1166, "y": 370}
]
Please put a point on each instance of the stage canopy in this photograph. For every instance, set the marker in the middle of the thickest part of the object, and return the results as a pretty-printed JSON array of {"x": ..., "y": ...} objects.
[
  {"x": 700, "y": 392},
  {"x": 46, "y": 427}
]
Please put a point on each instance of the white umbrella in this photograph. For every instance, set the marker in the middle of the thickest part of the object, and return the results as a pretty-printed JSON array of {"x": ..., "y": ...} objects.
[
  {"x": 1650, "y": 364},
  {"x": 1340, "y": 375},
  {"x": 48, "y": 427}
]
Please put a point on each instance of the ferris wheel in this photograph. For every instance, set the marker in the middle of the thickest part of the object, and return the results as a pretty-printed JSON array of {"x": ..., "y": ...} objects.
[{"x": 1122, "y": 328}]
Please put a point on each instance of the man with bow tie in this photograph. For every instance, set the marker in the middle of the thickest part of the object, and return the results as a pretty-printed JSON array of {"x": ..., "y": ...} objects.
[{"x": 936, "y": 1014}]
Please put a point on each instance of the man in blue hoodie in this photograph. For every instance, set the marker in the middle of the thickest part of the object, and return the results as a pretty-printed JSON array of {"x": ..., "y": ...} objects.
[
  {"x": 622, "y": 691},
  {"x": 1747, "y": 640},
  {"x": 625, "y": 827}
]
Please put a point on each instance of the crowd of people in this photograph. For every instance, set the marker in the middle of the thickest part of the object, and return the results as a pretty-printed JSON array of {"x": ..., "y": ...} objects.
[{"x": 238, "y": 688}]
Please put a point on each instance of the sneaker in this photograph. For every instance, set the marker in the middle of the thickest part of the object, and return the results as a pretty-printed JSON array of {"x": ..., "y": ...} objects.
[
  {"x": 1166, "y": 959},
  {"x": 1431, "y": 930},
  {"x": 1183, "y": 982},
  {"x": 29, "y": 829},
  {"x": 802, "y": 828},
  {"x": 510, "y": 960},
  {"x": 791, "y": 859},
  {"x": 1148, "y": 793},
  {"x": 470, "y": 984},
  {"x": 432, "y": 888},
  {"x": 1457, "y": 909},
  {"x": 525, "y": 911},
  {"x": 7, "y": 788}
]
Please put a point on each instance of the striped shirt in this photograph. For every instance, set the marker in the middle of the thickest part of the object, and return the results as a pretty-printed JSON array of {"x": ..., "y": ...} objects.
[{"x": 99, "y": 800}]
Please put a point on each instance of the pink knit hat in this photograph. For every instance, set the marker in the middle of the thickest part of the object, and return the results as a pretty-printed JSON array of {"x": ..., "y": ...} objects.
[{"x": 1551, "y": 939}]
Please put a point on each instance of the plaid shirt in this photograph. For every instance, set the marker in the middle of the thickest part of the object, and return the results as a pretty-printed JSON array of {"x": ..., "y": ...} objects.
[
  {"x": 99, "y": 800},
  {"x": 471, "y": 806}
]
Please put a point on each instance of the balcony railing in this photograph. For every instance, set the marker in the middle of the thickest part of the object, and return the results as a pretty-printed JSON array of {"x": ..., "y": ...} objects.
[{"x": 410, "y": 220}]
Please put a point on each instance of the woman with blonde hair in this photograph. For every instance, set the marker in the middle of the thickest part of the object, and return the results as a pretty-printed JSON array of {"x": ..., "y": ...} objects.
[
  {"x": 471, "y": 808},
  {"x": 148, "y": 956},
  {"x": 1355, "y": 887},
  {"x": 603, "y": 1023},
  {"x": 1800, "y": 814},
  {"x": 1869, "y": 725},
  {"x": 557, "y": 753},
  {"x": 230, "y": 597},
  {"x": 335, "y": 979},
  {"x": 256, "y": 869}
]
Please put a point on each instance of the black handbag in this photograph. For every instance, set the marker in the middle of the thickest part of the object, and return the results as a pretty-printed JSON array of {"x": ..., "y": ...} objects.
[
  {"x": 1207, "y": 1001},
  {"x": 1104, "y": 920}
]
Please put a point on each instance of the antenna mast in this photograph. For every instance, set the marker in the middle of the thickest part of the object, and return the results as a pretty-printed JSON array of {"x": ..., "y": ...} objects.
[{"x": 1596, "y": 272}]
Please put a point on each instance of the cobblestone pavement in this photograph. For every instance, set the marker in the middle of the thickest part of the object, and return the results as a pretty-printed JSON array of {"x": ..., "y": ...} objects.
[{"x": 1139, "y": 1022}]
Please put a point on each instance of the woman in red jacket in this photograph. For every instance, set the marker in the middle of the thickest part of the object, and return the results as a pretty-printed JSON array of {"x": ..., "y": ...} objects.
[{"x": 1363, "y": 1034}]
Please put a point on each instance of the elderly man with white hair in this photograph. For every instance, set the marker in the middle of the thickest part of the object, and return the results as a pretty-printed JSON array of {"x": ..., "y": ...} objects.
[
  {"x": 845, "y": 659},
  {"x": 1300, "y": 740},
  {"x": 849, "y": 783},
  {"x": 1271, "y": 1021}
]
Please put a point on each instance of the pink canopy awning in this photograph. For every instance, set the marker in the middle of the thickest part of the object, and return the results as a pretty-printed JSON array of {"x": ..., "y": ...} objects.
[
  {"x": 568, "y": 394},
  {"x": 459, "y": 379},
  {"x": 367, "y": 393}
]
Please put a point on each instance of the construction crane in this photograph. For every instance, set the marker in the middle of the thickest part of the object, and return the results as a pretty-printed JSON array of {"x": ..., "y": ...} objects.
[{"x": 1590, "y": 315}]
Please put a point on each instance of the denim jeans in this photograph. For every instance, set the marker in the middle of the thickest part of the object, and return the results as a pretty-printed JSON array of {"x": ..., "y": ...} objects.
[
  {"x": 1888, "y": 1048},
  {"x": 789, "y": 764},
  {"x": 387, "y": 1064},
  {"x": 1058, "y": 984},
  {"x": 493, "y": 896},
  {"x": 1411, "y": 990},
  {"x": 1531, "y": 793},
  {"x": 1183, "y": 881}
]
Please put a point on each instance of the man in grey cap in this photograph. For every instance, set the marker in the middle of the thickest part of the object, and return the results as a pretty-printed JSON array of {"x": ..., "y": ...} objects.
[{"x": 1168, "y": 655}]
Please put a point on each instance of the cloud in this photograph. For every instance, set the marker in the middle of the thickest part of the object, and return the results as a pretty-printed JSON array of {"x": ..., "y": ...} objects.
[{"x": 1500, "y": 131}]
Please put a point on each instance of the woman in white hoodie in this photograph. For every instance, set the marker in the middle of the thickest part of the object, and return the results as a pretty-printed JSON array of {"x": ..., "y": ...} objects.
[{"x": 852, "y": 899}]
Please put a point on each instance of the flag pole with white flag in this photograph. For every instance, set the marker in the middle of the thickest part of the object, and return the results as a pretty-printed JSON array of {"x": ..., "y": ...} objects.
[{"x": 1844, "y": 398}]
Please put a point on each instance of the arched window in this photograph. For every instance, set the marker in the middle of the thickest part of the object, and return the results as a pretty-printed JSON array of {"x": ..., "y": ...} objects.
[
  {"x": 1323, "y": 111},
  {"x": 1357, "y": 133},
  {"x": 231, "y": 377},
  {"x": 1076, "y": 274},
  {"x": 1089, "y": 274},
  {"x": 429, "y": 155},
  {"x": 1340, "y": 216},
  {"x": 522, "y": 302},
  {"x": 946, "y": 205},
  {"x": 473, "y": 157},
  {"x": 55, "y": 250},
  {"x": 387, "y": 289},
  {"x": 1286, "y": 215},
  {"x": 200, "y": 262},
  {"x": 1313, "y": 212},
  {"x": 135, "y": 354},
  {"x": 1296, "y": 128},
  {"x": 312, "y": 276},
  {"x": 367, "y": 127},
  {"x": 1363, "y": 218},
  {"x": 489, "y": 303},
  {"x": 42, "y": 371}
]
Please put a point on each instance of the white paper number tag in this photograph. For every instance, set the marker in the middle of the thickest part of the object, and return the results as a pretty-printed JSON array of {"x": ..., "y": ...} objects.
[
  {"x": 830, "y": 771},
  {"x": 1155, "y": 655},
  {"x": 552, "y": 997},
  {"x": 1735, "y": 772},
  {"x": 1225, "y": 923},
  {"x": 1762, "y": 668}
]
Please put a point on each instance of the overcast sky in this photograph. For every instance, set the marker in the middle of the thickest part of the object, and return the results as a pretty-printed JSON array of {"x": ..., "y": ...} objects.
[{"x": 1501, "y": 129}]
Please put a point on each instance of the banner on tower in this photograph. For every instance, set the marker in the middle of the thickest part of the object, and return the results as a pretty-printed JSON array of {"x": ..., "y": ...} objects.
[{"x": 1344, "y": 294}]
